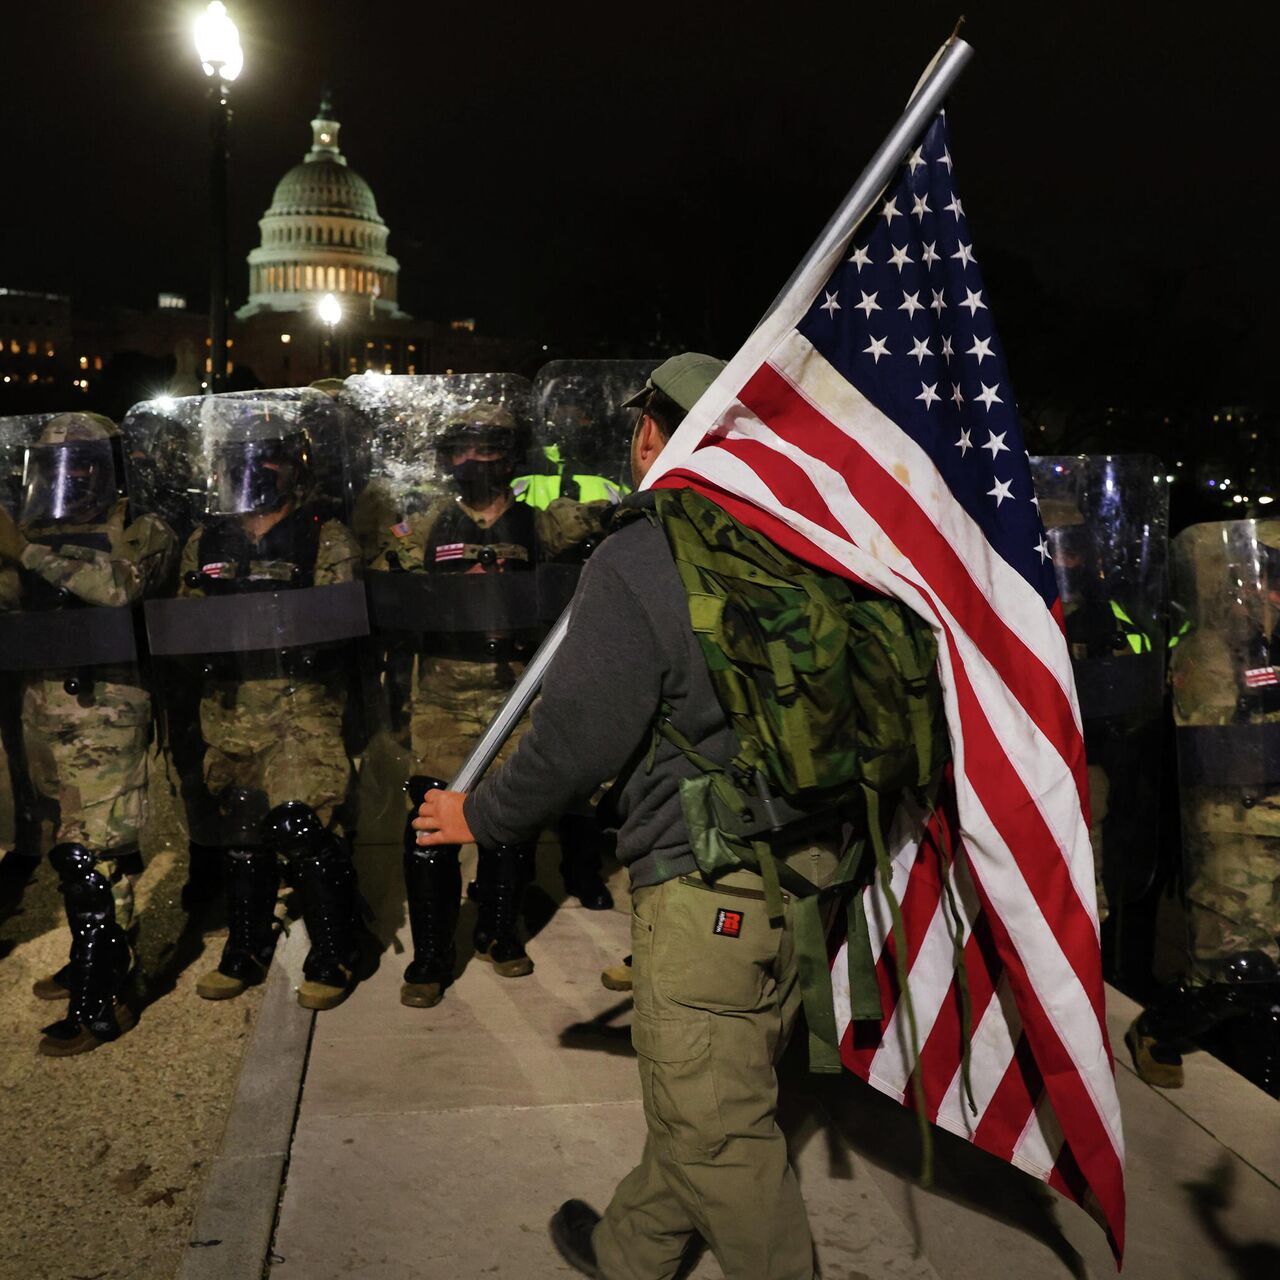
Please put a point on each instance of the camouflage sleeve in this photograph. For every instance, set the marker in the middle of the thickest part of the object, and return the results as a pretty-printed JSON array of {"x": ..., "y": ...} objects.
[
  {"x": 405, "y": 540},
  {"x": 338, "y": 555},
  {"x": 564, "y": 523},
  {"x": 108, "y": 578},
  {"x": 10, "y": 588},
  {"x": 188, "y": 564}
]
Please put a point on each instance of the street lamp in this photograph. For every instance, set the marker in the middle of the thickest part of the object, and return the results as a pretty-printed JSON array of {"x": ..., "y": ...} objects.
[
  {"x": 329, "y": 309},
  {"x": 222, "y": 59}
]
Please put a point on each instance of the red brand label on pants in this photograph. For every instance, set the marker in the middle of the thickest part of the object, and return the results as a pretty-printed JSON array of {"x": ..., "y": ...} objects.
[{"x": 728, "y": 923}]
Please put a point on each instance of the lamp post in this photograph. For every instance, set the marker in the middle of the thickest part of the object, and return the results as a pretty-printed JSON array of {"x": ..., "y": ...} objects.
[
  {"x": 329, "y": 309},
  {"x": 218, "y": 46}
]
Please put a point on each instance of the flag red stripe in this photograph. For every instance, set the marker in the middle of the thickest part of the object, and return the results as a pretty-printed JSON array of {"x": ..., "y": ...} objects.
[
  {"x": 941, "y": 1055},
  {"x": 1074, "y": 1105},
  {"x": 1006, "y": 1115},
  {"x": 917, "y": 906}
]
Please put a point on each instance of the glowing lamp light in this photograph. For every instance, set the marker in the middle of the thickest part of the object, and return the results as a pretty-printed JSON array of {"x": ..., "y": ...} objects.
[
  {"x": 329, "y": 309},
  {"x": 218, "y": 43},
  {"x": 166, "y": 404}
]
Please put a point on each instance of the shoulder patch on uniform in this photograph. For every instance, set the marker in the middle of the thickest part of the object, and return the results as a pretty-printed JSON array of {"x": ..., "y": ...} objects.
[
  {"x": 728, "y": 923},
  {"x": 402, "y": 529}
]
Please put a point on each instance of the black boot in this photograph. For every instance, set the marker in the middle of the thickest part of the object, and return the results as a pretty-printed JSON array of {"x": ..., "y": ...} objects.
[
  {"x": 504, "y": 872},
  {"x": 327, "y": 882},
  {"x": 100, "y": 959},
  {"x": 571, "y": 1229},
  {"x": 1175, "y": 1023},
  {"x": 580, "y": 862},
  {"x": 433, "y": 885},
  {"x": 253, "y": 877}
]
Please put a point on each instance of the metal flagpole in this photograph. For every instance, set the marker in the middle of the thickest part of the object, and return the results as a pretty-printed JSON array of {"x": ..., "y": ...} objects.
[{"x": 925, "y": 102}]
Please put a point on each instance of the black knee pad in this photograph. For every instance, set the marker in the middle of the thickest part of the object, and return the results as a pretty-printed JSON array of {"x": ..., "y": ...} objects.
[{"x": 242, "y": 812}]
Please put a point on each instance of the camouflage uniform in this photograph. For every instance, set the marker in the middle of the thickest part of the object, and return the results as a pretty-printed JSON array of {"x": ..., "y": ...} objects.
[
  {"x": 1225, "y": 677},
  {"x": 241, "y": 720},
  {"x": 454, "y": 697},
  {"x": 1231, "y": 835},
  {"x": 86, "y": 732}
]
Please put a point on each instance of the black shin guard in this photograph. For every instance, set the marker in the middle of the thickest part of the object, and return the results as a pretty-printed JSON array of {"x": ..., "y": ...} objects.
[
  {"x": 100, "y": 959},
  {"x": 253, "y": 876},
  {"x": 505, "y": 870},
  {"x": 433, "y": 885}
]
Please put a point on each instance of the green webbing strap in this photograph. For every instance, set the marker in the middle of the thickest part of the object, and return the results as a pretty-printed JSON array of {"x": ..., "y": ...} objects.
[
  {"x": 767, "y": 865},
  {"x": 864, "y": 990},
  {"x": 962, "y": 975},
  {"x": 904, "y": 994}
]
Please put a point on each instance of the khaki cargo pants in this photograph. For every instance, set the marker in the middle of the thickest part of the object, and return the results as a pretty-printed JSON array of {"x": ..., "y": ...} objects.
[{"x": 716, "y": 997}]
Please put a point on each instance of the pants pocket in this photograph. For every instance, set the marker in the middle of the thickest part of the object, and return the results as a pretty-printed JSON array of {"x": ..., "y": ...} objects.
[{"x": 679, "y": 1088}]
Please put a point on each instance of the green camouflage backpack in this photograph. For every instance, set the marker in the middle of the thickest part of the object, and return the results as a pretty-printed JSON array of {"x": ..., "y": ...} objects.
[{"x": 834, "y": 695}]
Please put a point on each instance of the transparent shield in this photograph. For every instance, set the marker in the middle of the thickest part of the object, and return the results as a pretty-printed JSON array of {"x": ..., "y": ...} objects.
[
  {"x": 1106, "y": 526},
  {"x": 75, "y": 715},
  {"x": 258, "y": 642},
  {"x": 1225, "y": 677},
  {"x": 582, "y": 433},
  {"x": 70, "y": 608},
  {"x": 452, "y": 556}
]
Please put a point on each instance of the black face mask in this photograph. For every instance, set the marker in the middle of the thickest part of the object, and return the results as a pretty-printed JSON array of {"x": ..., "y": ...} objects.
[{"x": 481, "y": 481}]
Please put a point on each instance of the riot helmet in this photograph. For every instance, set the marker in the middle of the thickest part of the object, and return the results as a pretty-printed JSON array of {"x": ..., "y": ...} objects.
[
  {"x": 70, "y": 472},
  {"x": 259, "y": 456}
]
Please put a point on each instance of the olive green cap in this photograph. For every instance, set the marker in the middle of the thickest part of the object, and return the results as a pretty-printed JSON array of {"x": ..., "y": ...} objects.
[{"x": 684, "y": 378}]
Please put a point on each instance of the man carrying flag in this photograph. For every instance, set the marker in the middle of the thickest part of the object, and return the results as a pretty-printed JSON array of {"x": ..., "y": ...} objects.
[{"x": 868, "y": 429}]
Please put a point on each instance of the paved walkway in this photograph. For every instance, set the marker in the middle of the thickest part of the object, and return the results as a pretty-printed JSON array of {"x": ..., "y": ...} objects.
[{"x": 433, "y": 1144}]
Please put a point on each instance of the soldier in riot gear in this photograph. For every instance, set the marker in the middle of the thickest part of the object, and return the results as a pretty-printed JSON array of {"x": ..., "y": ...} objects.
[
  {"x": 458, "y": 561},
  {"x": 269, "y": 590},
  {"x": 1105, "y": 520},
  {"x": 472, "y": 527},
  {"x": 71, "y": 567},
  {"x": 1225, "y": 676}
]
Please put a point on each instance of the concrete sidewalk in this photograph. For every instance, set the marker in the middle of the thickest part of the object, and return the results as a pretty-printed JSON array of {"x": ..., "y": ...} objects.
[{"x": 437, "y": 1143}]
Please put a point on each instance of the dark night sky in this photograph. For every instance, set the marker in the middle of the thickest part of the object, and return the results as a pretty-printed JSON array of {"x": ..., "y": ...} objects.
[{"x": 584, "y": 171}]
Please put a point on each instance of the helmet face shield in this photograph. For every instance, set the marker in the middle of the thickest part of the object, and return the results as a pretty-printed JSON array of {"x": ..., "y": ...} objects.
[
  {"x": 72, "y": 480},
  {"x": 254, "y": 477}
]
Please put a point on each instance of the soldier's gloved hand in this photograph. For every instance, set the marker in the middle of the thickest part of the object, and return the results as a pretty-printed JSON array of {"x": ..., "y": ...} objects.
[
  {"x": 12, "y": 543},
  {"x": 440, "y": 819}
]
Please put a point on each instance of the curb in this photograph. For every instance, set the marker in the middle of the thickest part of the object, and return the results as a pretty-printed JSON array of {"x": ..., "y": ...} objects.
[{"x": 235, "y": 1219}]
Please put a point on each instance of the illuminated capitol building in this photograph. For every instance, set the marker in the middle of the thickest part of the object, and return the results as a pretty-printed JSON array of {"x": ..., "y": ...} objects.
[{"x": 322, "y": 234}]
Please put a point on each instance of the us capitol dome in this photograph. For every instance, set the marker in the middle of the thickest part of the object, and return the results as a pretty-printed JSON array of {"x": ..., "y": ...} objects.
[{"x": 323, "y": 234}]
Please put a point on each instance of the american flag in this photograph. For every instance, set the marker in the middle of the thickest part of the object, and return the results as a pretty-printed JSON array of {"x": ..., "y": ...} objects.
[{"x": 869, "y": 427}]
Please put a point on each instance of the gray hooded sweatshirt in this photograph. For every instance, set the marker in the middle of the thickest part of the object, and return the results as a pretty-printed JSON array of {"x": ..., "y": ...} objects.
[{"x": 629, "y": 649}]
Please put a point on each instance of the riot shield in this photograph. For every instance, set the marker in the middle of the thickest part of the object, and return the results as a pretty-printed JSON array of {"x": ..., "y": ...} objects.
[
  {"x": 75, "y": 715},
  {"x": 451, "y": 556},
  {"x": 1225, "y": 678},
  {"x": 19, "y": 826},
  {"x": 256, "y": 640},
  {"x": 1106, "y": 524},
  {"x": 582, "y": 434}
]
